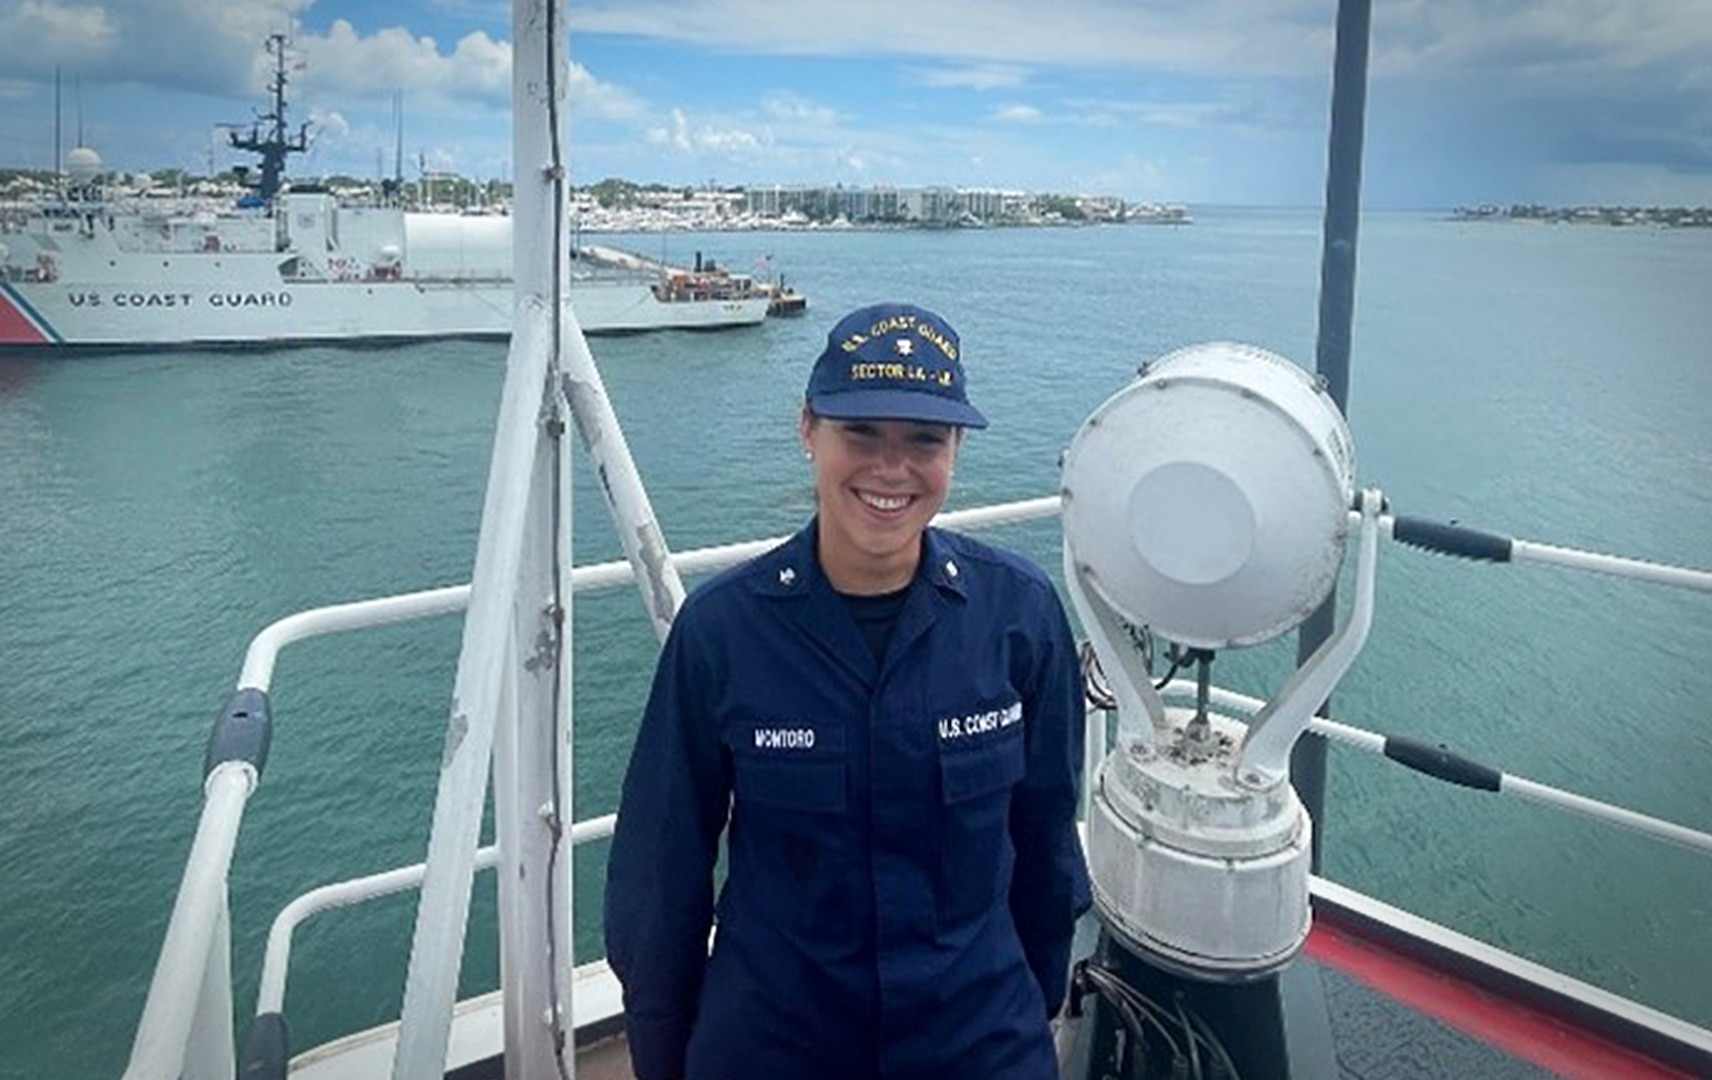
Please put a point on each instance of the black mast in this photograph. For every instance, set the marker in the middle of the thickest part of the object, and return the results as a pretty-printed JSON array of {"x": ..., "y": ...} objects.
[
  {"x": 1337, "y": 315},
  {"x": 267, "y": 136}
]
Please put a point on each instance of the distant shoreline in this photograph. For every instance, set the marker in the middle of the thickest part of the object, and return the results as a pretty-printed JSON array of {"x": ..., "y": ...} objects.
[{"x": 1674, "y": 217}]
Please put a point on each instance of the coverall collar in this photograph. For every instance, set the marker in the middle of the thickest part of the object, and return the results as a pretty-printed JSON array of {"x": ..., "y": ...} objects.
[{"x": 791, "y": 572}]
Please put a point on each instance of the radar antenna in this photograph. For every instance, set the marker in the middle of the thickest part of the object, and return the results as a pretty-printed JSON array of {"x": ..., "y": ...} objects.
[{"x": 267, "y": 136}]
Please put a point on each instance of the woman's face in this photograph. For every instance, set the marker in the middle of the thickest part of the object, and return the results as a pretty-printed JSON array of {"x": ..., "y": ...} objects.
[{"x": 880, "y": 482}]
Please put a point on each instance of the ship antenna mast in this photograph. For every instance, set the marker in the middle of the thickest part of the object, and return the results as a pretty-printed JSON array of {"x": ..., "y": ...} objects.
[{"x": 274, "y": 144}]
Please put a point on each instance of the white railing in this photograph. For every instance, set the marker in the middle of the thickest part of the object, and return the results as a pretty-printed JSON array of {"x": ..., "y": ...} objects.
[
  {"x": 191, "y": 989},
  {"x": 186, "y": 1027}
]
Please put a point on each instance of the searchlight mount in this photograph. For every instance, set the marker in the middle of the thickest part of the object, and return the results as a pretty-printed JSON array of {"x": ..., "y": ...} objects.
[{"x": 1209, "y": 503}]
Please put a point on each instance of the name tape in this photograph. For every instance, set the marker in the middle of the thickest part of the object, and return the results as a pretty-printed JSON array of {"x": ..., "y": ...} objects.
[
  {"x": 784, "y": 738},
  {"x": 961, "y": 727}
]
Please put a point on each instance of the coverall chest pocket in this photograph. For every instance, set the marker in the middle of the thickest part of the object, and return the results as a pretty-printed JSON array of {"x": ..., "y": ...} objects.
[
  {"x": 804, "y": 785},
  {"x": 976, "y": 779},
  {"x": 788, "y": 839}
]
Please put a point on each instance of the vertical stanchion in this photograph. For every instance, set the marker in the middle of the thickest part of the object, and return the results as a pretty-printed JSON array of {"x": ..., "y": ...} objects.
[
  {"x": 507, "y": 602},
  {"x": 1337, "y": 314}
]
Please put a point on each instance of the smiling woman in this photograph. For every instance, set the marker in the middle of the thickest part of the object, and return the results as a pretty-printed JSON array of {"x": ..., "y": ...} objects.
[
  {"x": 878, "y": 483},
  {"x": 892, "y": 385},
  {"x": 885, "y": 720}
]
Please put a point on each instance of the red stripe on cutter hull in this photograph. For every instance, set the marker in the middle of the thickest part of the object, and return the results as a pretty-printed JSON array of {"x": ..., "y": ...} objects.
[{"x": 16, "y": 328}]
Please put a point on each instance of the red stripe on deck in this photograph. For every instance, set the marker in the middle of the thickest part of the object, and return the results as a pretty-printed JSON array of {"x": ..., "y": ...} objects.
[
  {"x": 1517, "y": 1028},
  {"x": 16, "y": 328}
]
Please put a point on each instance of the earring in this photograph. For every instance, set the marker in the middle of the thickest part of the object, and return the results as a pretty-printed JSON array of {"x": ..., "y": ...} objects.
[{"x": 808, "y": 455}]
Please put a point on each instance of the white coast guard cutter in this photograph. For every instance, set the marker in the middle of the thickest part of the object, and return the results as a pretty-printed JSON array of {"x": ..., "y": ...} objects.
[{"x": 294, "y": 264}]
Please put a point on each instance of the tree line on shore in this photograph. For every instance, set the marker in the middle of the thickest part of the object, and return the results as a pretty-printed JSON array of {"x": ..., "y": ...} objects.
[{"x": 1671, "y": 216}]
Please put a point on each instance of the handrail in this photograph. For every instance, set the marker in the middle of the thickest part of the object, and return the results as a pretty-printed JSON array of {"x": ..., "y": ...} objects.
[
  {"x": 270, "y": 996},
  {"x": 177, "y": 1004},
  {"x": 263, "y": 653},
  {"x": 257, "y": 672},
  {"x": 1444, "y": 764},
  {"x": 259, "y": 661},
  {"x": 1460, "y": 541},
  {"x": 158, "y": 1050}
]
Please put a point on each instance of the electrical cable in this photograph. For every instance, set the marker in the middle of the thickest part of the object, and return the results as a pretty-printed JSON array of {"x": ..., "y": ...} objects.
[
  {"x": 1132, "y": 1004},
  {"x": 555, "y": 396},
  {"x": 1094, "y": 684},
  {"x": 1141, "y": 1013},
  {"x": 1180, "y": 658}
]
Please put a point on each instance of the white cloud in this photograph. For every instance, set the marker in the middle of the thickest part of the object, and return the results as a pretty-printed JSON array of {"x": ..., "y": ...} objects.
[
  {"x": 798, "y": 112},
  {"x": 979, "y": 77},
  {"x": 677, "y": 136},
  {"x": 592, "y": 99},
  {"x": 1602, "y": 84},
  {"x": 980, "y": 44},
  {"x": 329, "y": 125},
  {"x": 183, "y": 44},
  {"x": 477, "y": 68},
  {"x": 216, "y": 49},
  {"x": 729, "y": 142},
  {"x": 1564, "y": 38},
  {"x": 47, "y": 28},
  {"x": 987, "y": 40},
  {"x": 682, "y": 138}
]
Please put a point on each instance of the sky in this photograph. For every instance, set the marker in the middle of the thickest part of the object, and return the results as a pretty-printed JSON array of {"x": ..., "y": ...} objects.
[{"x": 1560, "y": 102}]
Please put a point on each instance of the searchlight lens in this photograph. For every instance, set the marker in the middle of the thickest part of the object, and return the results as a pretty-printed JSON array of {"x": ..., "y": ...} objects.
[{"x": 1209, "y": 499}]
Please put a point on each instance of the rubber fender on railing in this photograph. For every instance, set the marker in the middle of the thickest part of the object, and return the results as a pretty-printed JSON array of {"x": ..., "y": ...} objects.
[
  {"x": 266, "y": 1049},
  {"x": 1442, "y": 763},
  {"x": 1448, "y": 538},
  {"x": 242, "y": 731}
]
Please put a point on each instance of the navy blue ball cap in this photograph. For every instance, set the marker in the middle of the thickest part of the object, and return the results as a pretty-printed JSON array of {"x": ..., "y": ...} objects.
[{"x": 892, "y": 362}]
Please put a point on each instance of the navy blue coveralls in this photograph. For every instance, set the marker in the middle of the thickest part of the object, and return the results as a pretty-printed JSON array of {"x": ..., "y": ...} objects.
[{"x": 903, "y": 867}]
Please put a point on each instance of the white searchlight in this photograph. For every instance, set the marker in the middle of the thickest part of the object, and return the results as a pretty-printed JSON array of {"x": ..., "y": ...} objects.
[{"x": 1208, "y": 503}]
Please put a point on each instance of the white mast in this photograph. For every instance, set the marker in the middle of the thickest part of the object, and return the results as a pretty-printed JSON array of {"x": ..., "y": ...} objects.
[{"x": 511, "y": 702}]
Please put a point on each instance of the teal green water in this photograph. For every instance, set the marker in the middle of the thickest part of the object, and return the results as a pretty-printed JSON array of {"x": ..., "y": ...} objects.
[{"x": 157, "y": 511}]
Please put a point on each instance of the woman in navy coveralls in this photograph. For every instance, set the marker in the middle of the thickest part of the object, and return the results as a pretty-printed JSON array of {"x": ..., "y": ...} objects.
[{"x": 885, "y": 721}]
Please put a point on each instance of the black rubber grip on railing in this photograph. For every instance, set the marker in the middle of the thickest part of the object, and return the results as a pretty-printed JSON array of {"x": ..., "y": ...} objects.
[
  {"x": 242, "y": 732},
  {"x": 1448, "y": 539},
  {"x": 1436, "y": 761},
  {"x": 266, "y": 1049}
]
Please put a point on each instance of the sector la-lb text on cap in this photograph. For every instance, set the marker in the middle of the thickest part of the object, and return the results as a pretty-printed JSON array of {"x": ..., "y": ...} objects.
[{"x": 892, "y": 362}]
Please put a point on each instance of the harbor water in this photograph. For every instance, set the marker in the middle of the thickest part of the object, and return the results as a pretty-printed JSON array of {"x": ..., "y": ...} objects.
[{"x": 156, "y": 511}]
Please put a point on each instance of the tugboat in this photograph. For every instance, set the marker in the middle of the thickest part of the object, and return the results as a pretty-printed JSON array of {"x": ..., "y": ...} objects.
[{"x": 783, "y": 300}]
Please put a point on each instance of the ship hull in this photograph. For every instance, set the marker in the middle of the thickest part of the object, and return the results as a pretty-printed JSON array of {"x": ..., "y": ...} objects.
[
  {"x": 137, "y": 314},
  {"x": 86, "y": 275}
]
